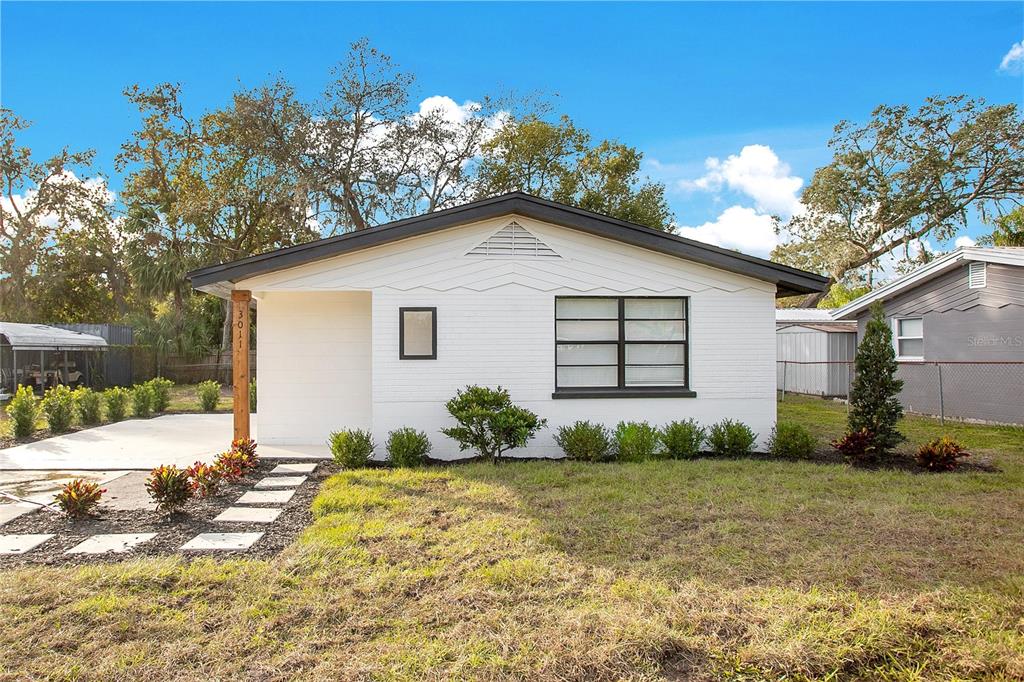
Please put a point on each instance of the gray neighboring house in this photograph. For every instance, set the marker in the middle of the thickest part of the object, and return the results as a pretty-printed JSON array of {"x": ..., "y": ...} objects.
[{"x": 958, "y": 332}]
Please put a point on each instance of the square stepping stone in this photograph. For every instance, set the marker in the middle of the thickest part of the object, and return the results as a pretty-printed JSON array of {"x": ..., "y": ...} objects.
[
  {"x": 303, "y": 468},
  {"x": 19, "y": 544},
  {"x": 248, "y": 515},
  {"x": 110, "y": 542},
  {"x": 266, "y": 497},
  {"x": 221, "y": 541},
  {"x": 280, "y": 482}
]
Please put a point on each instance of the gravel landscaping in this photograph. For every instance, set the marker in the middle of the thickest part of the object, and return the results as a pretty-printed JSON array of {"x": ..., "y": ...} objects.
[{"x": 171, "y": 531}]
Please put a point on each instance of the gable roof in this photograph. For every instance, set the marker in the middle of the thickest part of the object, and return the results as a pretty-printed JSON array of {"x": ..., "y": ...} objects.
[
  {"x": 790, "y": 281},
  {"x": 1004, "y": 255}
]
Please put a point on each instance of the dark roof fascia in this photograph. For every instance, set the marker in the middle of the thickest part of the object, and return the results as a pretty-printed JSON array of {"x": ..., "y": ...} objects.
[{"x": 790, "y": 281}]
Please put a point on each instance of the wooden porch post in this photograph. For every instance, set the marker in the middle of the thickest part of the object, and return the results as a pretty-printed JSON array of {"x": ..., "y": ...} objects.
[{"x": 240, "y": 359}]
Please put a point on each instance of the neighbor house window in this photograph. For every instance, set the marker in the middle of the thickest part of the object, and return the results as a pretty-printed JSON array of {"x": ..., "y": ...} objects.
[
  {"x": 417, "y": 333},
  {"x": 620, "y": 344},
  {"x": 910, "y": 338}
]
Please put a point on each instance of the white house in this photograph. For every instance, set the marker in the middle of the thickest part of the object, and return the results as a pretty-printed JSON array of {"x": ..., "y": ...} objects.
[{"x": 579, "y": 315}]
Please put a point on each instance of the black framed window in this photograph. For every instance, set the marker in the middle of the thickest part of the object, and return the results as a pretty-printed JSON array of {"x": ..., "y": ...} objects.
[
  {"x": 617, "y": 346},
  {"x": 417, "y": 333}
]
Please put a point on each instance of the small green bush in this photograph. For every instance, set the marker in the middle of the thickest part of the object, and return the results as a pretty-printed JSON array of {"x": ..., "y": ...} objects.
[
  {"x": 79, "y": 498},
  {"x": 731, "y": 438},
  {"x": 58, "y": 405},
  {"x": 87, "y": 404},
  {"x": 169, "y": 487},
  {"x": 252, "y": 395},
  {"x": 792, "y": 441},
  {"x": 116, "y": 402},
  {"x": 142, "y": 400},
  {"x": 408, "y": 447},
  {"x": 636, "y": 441},
  {"x": 683, "y": 439},
  {"x": 161, "y": 389},
  {"x": 941, "y": 454},
  {"x": 489, "y": 422},
  {"x": 23, "y": 411},
  {"x": 352, "y": 449},
  {"x": 209, "y": 395},
  {"x": 585, "y": 442}
]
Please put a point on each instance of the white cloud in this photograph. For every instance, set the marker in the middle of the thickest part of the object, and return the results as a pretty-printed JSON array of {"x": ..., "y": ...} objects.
[
  {"x": 739, "y": 228},
  {"x": 448, "y": 108},
  {"x": 964, "y": 241},
  {"x": 1013, "y": 61},
  {"x": 757, "y": 172}
]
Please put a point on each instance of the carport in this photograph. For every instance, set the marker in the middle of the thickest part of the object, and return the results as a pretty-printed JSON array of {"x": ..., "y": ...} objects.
[{"x": 41, "y": 356}]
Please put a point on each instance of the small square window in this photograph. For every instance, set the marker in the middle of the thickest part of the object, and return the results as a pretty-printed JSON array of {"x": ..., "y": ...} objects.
[
  {"x": 909, "y": 338},
  {"x": 417, "y": 333}
]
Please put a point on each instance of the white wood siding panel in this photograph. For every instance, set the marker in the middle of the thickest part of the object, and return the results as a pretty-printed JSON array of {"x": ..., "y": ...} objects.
[{"x": 314, "y": 357}]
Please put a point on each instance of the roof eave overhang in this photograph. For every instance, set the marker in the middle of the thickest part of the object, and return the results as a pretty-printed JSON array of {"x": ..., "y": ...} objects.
[{"x": 218, "y": 279}]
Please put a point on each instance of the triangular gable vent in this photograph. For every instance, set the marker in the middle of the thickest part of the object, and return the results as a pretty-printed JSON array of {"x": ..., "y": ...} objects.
[{"x": 513, "y": 241}]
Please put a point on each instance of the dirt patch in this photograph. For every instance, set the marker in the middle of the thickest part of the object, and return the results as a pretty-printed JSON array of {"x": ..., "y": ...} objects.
[{"x": 172, "y": 531}]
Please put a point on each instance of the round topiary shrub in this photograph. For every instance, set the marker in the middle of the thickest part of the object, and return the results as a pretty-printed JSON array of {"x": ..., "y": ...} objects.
[
  {"x": 731, "y": 438},
  {"x": 636, "y": 441},
  {"x": 408, "y": 447},
  {"x": 791, "y": 441},
  {"x": 352, "y": 449},
  {"x": 683, "y": 439},
  {"x": 585, "y": 442}
]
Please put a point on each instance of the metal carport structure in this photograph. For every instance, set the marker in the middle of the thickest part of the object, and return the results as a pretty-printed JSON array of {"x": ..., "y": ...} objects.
[{"x": 40, "y": 356}]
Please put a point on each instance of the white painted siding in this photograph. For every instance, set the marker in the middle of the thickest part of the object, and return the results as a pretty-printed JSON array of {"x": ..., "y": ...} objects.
[
  {"x": 495, "y": 325},
  {"x": 313, "y": 355}
]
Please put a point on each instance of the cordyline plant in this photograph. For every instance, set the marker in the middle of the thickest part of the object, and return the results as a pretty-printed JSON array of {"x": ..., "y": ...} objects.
[{"x": 489, "y": 422}]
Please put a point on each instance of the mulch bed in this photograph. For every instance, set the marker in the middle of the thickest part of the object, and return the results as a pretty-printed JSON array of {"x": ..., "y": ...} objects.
[{"x": 172, "y": 531}]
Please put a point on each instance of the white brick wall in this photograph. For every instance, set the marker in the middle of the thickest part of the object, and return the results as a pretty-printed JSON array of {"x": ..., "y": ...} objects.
[{"x": 495, "y": 326}]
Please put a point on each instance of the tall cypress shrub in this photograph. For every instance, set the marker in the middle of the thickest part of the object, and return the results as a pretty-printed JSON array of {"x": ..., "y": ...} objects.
[{"x": 874, "y": 402}]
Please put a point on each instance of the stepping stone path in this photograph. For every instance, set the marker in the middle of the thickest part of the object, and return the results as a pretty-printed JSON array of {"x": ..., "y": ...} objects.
[
  {"x": 110, "y": 542},
  {"x": 266, "y": 497},
  {"x": 19, "y": 544},
  {"x": 221, "y": 541},
  {"x": 274, "y": 489},
  {"x": 293, "y": 468},
  {"x": 280, "y": 482}
]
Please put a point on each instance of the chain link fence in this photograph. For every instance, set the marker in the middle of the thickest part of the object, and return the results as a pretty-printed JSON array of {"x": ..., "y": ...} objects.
[{"x": 976, "y": 391}]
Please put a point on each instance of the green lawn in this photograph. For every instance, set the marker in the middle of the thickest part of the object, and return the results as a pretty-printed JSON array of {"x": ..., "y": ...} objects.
[{"x": 746, "y": 569}]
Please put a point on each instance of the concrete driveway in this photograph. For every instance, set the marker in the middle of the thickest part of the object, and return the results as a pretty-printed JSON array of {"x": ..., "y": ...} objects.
[{"x": 179, "y": 439}]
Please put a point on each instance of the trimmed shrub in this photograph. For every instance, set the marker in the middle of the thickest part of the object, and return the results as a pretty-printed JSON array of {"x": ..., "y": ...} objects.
[
  {"x": 585, "y": 442},
  {"x": 636, "y": 441},
  {"x": 792, "y": 441},
  {"x": 142, "y": 400},
  {"x": 87, "y": 404},
  {"x": 58, "y": 404},
  {"x": 352, "y": 449},
  {"x": 205, "y": 478},
  {"x": 169, "y": 487},
  {"x": 208, "y": 393},
  {"x": 23, "y": 411},
  {"x": 489, "y": 423},
  {"x": 941, "y": 454},
  {"x": 683, "y": 439},
  {"x": 252, "y": 395},
  {"x": 161, "y": 389},
  {"x": 233, "y": 465},
  {"x": 408, "y": 447},
  {"x": 247, "y": 448},
  {"x": 857, "y": 446},
  {"x": 116, "y": 402},
  {"x": 79, "y": 498},
  {"x": 731, "y": 438}
]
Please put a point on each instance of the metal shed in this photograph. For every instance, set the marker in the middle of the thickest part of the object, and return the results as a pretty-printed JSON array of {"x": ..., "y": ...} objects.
[
  {"x": 815, "y": 353},
  {"x": 41, "y": 356}
]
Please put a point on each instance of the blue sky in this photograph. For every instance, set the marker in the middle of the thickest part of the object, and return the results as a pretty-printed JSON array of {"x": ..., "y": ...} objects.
[{"x": 682, "y": 82}]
